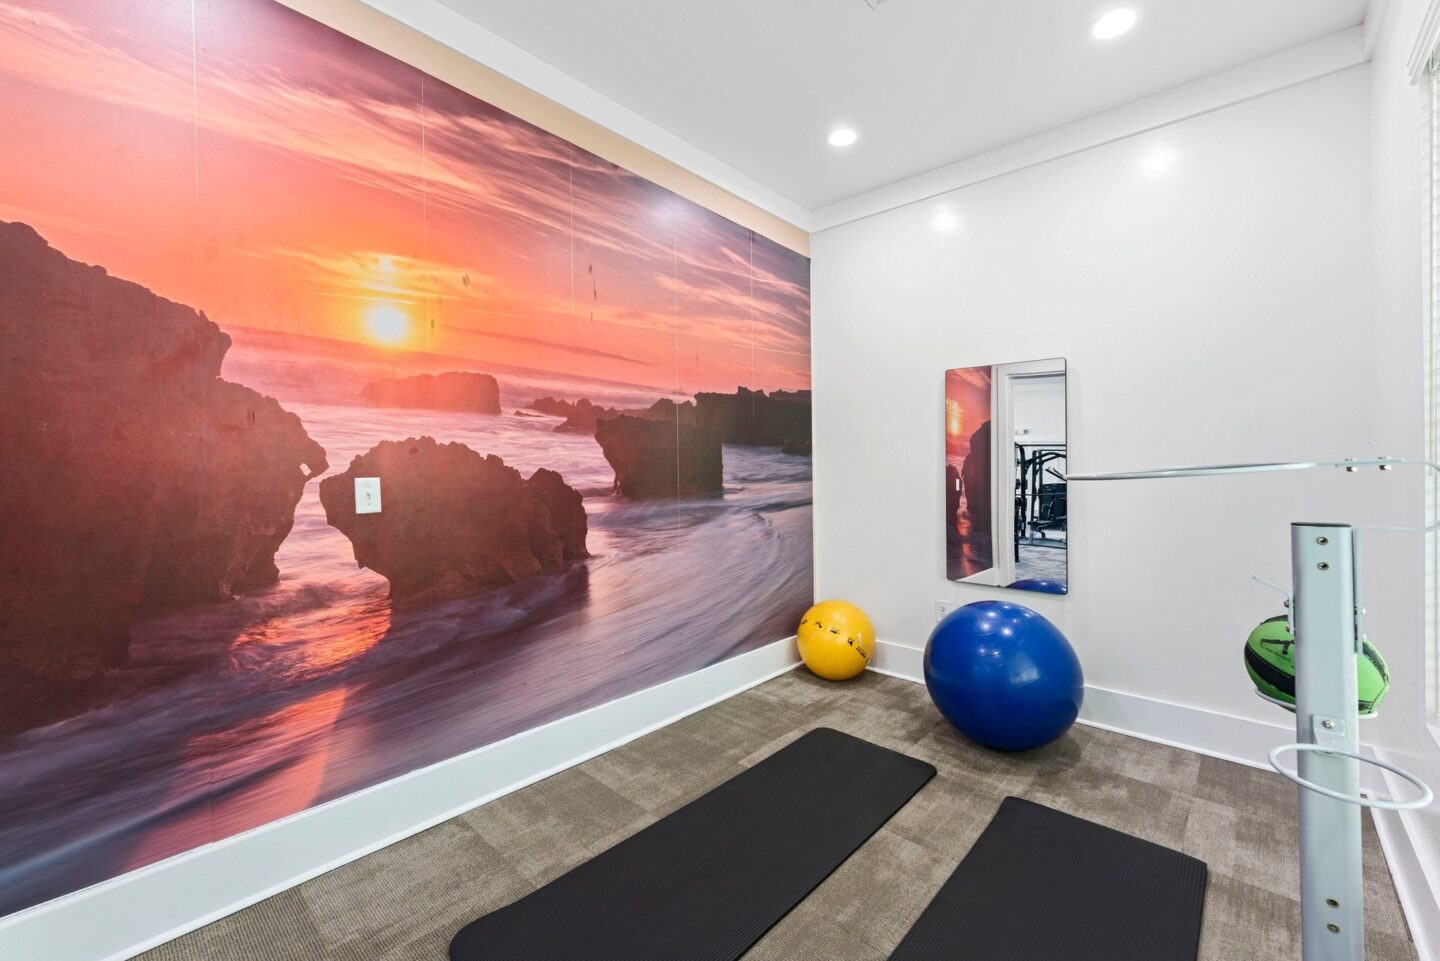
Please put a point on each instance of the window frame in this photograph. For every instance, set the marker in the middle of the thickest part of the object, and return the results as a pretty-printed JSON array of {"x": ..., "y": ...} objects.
[{"x": 1430, "y": 97}]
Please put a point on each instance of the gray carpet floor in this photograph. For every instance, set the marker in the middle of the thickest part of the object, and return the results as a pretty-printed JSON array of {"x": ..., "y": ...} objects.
[
  {"x": 1049, "y": 562},
  {"x": 405, "y": 902}
]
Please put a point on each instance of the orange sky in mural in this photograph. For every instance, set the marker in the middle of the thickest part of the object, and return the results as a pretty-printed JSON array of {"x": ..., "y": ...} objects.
[
  {"x": 967, "y": 406},
  {"x": 275, "y": 174}
]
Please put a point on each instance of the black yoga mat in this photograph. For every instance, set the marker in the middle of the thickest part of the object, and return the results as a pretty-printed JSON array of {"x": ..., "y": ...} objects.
[
  {"x": 705, "y": 882},
  {"x": 1040, "y": 885}
]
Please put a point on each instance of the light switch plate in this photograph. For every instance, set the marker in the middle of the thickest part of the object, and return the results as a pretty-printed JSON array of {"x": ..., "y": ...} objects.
[{"x": 367, "y": 495}]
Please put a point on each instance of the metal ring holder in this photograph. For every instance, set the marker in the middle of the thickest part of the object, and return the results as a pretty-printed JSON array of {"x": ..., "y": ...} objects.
[{"x": 1426, "y": 795}]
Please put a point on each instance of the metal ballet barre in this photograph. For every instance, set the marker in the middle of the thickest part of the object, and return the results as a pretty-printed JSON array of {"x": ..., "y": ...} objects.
[{"x": 1325, "y": 614}]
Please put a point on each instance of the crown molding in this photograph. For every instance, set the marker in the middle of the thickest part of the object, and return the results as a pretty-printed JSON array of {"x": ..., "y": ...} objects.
[
  {"x": 792, "y": 223},
  {"x": 1279, "y": 71},
  {"x": 1375, "y": 11},
  {"x": 1425, "y": 41}
]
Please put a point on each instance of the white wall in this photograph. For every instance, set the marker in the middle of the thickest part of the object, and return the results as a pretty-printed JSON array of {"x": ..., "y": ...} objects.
[
  {"x": 1240, "y": 285},
  {"x": 1039, "y": 410},
  {"x": 1396, "y": 325},
  {"x": 1209, "y": 284}
]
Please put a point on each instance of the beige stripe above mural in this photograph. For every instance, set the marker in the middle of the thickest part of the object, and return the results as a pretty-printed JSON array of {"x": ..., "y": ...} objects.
[{"x": 444, "y": 63}]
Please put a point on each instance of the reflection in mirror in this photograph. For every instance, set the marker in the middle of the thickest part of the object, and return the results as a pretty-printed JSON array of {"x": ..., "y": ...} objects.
[{"x": 1005, "y": 446}]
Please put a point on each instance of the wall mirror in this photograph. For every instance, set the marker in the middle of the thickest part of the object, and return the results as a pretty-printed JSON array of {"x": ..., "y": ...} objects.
[{"x": 1005, "y": 436}]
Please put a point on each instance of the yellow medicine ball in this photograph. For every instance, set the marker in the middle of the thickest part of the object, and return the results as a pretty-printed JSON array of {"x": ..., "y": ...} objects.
[{"x": 836, "y": 640}]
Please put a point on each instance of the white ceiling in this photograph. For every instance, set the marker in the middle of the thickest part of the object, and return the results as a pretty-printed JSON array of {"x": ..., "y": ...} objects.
[{"x": 758, "y": 84}]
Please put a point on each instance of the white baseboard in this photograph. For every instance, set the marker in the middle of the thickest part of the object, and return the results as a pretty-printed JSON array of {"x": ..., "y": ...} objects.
[
  {"x": 1239, "y": 739},
  {"x": 899, "y": 660},
  {"x": 1242, "y": 740},
  {"x": 123, "y": 916},
  {"x": 1417, "y": 878}
]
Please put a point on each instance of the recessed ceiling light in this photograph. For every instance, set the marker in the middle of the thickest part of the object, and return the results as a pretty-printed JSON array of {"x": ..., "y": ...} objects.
[
  {"x": 1114, "y": 23},
  {"x": 946, "y": 220},
  {"x": 842, "y": 137}
]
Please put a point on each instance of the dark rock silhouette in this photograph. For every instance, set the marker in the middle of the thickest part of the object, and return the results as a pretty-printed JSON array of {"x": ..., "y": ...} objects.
[
  {"x": 796, "y": 445},
  {"x": 747, "y": 417},
  {"x": 556, "y": 407},
  {"x": 133, "y": 478},
  {"x": 953, "y": 490},
  {"x": 217, "y": 532},
  {"x": 453, "y": 522},
  {"x": 453, "y": 390},
  {"x": 975, "y": 477},
  {"x": 756, "y": 419},
  {"x": 656, "y": 458},
  {"x": 580, "y": 417},
  {"x": 667, "y": 410},
  {"x": 567, "y": 511}
]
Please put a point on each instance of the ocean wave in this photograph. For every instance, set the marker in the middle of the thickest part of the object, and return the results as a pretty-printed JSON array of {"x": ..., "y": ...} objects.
[{"x": 318, "y": 686}]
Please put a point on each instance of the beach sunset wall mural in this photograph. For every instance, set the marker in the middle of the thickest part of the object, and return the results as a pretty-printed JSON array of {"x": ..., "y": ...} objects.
[{"x": 244, "y": 260}]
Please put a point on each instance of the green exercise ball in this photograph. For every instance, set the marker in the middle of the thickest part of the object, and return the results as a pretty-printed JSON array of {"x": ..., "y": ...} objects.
[{"x": 1270, "y": 661}]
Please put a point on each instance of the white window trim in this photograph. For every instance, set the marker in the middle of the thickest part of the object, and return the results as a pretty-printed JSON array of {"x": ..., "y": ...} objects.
[
  {"x": 1426, "y": 39},
  {"x": 1429, "y": 82}
]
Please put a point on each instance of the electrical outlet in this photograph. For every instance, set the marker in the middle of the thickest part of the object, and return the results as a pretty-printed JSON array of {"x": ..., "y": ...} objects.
[
  {"x": 367, "y": 495},
  {"x": 941, "y": 609}
]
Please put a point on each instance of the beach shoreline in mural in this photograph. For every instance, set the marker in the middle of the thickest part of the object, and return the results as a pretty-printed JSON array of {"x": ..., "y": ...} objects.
[
  {"x": 318, "y": 685},
  {"x": 191, "y": 648}
]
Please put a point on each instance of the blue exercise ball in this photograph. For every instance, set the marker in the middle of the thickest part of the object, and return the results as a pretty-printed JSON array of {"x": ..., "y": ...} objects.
[
  {"x": 1004, "y": 675},
  {"x": 1044, "y": 585}
]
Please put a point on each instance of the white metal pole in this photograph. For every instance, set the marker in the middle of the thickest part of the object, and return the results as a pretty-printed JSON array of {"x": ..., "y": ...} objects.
[{"x": 1327, "y": 639}]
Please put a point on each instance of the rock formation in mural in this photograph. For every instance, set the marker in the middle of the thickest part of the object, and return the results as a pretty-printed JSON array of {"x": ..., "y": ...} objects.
[
  {"x": 135, "y": 479},
  {"x": 749, "y": 418},
  {"x": 567, "y": 512},
  {"x": 452, "y": 390},
  {"x": 654, "y": 458},
  {"x": 975, "y": 479},
  {"x": 953, "y": 491},
  {"x": 453, "y": 521},
  {"x": 580, "y": 416},
  {"x": 755, "y": 419},
  {"x": 230, "y": 509}
]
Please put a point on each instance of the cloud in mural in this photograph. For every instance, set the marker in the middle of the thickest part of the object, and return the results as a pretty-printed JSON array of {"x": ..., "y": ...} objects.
[{"x": 575, "y": 237}]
